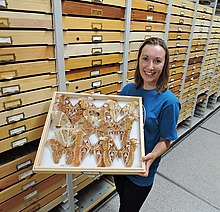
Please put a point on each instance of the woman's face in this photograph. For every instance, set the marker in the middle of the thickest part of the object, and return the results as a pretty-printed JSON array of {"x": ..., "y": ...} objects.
[{"x": 151, "y": 64}]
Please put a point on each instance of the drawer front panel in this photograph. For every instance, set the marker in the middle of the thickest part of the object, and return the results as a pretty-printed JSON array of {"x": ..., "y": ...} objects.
[
  {"x": 175, "y": 58},
  {"x": 134, "y": 46},
  {"x": 147, "y": 26},
  {"x": 196, "y": 54},
  {"x": 148, "y": 16},
  {"x": 176, "y": 64},
  {"x": 11, "y": 71},
  {"x": 179, "y": 43},
  {"x": 30, "y": 5},
  {"x": 22, "y": 126},
  {"x": 178, "y": 70},
  {"x": 195, "y": 60},
  {"x": 199, "y": 42},
  {"x": 175, "y": 77},
  {"x": 86, "y": 9},
  {"x": 149, "y": 6},
  {"x": 197, "y": 35},
  {"x": 91, "y": 72},
  {"x": 92, "y": 49},
  {"x": 200, "y": 22},
  {"x": 197, "y": 48},
  {"x": 18, "y": 37},
  {"x": 20, "y": 140},
  {"x": 92, "y": 23},
  {"x": 25, "y": 20},
  {"x": 26, "y": 53},
  {"x": 180, "y": 20},
  {"x": 179, "y": 28},
  {"x": 26, "y": 84},
  {"x": 205, "y": 9},
  {"x": 110, "y": 2},
  {"x": 134, "y": 36},
  {"x": 23, "y": 99},
  {"x": 201, "y": 29},
  {"x": 184, "y": 4},
  {"x": 94, "y": 37},
  {"x": 204, "y": 16},
  {"x": 74, "y": 63},
  {"x": 11, "y": 116},
  {"x": 181, "y": 12},
  {"x": 133, "y": 55},
  {"x": 177, "y": 51},
  {"x": 130, "y": 74},
  {"x": 81, "y": 85},
  {"x": 132, "y": 65},
  {"x": 174, "y": 35}
]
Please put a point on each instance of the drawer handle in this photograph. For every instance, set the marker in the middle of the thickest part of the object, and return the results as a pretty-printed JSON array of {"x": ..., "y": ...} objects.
[
  {"x": 150, "y": 7},
  {"x": 149, "y": 18},
  {"x": 30, "y": 195},
  {"x": 28, "y": 185},
  {"x": 182, "y": 13},
  {"x": 94, "y": 73},
  {"x": 8, "y": 74},
  {"x": 97, "y": 26},
  {"x": 202, "y": 24},
  {"x": 96, "y": 50},
  {"x": 12, "y": 104},
  {"x": 148, "y": 28},
  {"x": 97, "y": 1},
  {"x": 201, "y": 29},
  {"x": 7, "y": 57},
  {"x": 203, "y": 16},
  {"x": 96, "y": 62},
  {"x": 175, "y": 59},
  {"x": 180, "y": 29},
  {"x": 96, "y": 84},
  {"x": 10, "y": 89},
  {"x": 4, "y": 22},
  {"x": 19, "y": 142},
  {"x": 178, "y": 37},
  {"x": 5, "y": 40},
  {"x": 183, "y": 5},
  {"x": 96, "y": 12},
  {"x": 3, "y": 4},
  {"x": 178, "y": 44},
  {"x": 97, "y": 38},
  {"x": 15, "y": 118},
  {"x": 147, "y": 36},
  {"x": 181, "y": 21},
  {"x": 17, "y": 131},
  {"x": 25, "y": 174},
  {"x": 24, "y": 164},
  {"x": 204, "y": 9},
  {"x": 176, "y": 52}
]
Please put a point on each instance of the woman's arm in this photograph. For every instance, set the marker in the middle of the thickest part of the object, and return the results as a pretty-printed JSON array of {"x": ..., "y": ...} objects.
[{"x": 161, "y": 147}]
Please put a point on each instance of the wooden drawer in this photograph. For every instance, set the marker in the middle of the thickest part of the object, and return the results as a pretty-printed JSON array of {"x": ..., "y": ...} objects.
[
  {"x": 175, "y": 71},
  {"x": 201, "y": 29},
  {"x": 211, "y": 52},
  {"x": 190, "y": 83},
  {"x": 148, "y": 16},
  {"x": 176, "y": 64},
  {"x": 200, "y": 22},
  {"x": 82, "y": 85},
  {"x": 196, "y": 54},
  {"x": 175, "y": 77},
  {"x": 199, "y": 42},
  {"x": 9, "y": 19},
  {"x": 22, "y": 99},
  {"x": 134, "y": 46},
  {"x": 22, "y": 126},
  {"x": 147, "y": 26},
  {"x": 133, "y": 55},
  {"x": 79, "y": 62},
  {"x": 19, "y": 37},
  {"x": 18, "y": 114},
  {"x": 197, "y": 35},
  {"x": 205, "y": 9},
  {"x": 216, "y": 30},
  {"x": 174, "y": 87},
  {"x": 10, "y": 71},
  {"x": 179, "y": 28},
  {"x": 94, "y": 36},
  {"x": 195, "y": 60},
  {"x": 22, "y": 186},
  {"x": 216, "y": 24},
  {"x": 91, "y": 72},
  {"x": 175, "y": 58},
  {"x": 16, "y": 165},
  {"x": 108, "y": 89},
  {"x": 209, "y": 62},
  {"x": 180, "y": 20},
  {"x": 132, "y": 65},
  {"x": 177, "y": 51},
  {"x": 197, "y": 48},
  {"x": 189, "y": 94},
  {"x": 33, "y": 194},
  {"x": 120, "y": 3},
  {"x": 201, "y": 98},
  {"x": 210, "y": 57},
  {"x": 137, "y": 36},
  {"x": 19, "y": 140},
  {"x": 130, "y": 74},
  {"x": 92, "y": 49},
  {"x": 184, "y": 4},
  {"x": 88, "y": 9},
  {"x": 179, "y": 43},
  {"x": 26, "y": 84},
  {"x": 175, "y": 35},
  {"x": 194, "y": 66},
  {"x": 13, "y": 54},
  {"x": 30, "y": 5},
  {"x": 203, "y": 16},
  {"x": 190, "y": 88},
  {"x": 189, "y": 73},
  {"x": 91, "y": 23},
  {"x": 181, "y": 12},
  {"x": 192, "y": 77},
  {"x": 149, "y": 6},
  {"x": 215, "y": 36}
]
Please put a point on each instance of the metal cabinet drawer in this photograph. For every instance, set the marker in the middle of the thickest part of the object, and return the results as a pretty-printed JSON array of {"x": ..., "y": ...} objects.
[
  {"x": 30, "y": 5},
  {"x": 25, "y": 20},
  {"x": 27, "y": 37},
  {"x": 79, "y": 62},
  {"x": 91, "y": 10},
  {"x": 181, "y": 20},
  {"x": 15, "y": 54},
  {"x": 147, "y": 26},
  {"x": 11, "y": 71},
  {"x": 94, "y": 36},
  {"x": 141, "y": 36},
  {"x": 92, "y": 49},
  {"x": 91, "y": 72},
  {"x": 147, "y": 16},
  {"x": 149, "y": 6},
  {"x": 181, "y": 12},
  {"x": 130, "y": 74},
  {"x": 92, "y": 23},
  {"x": 192, "y": 77},
  {"x": 134, "y": 46},
  {"x": 120, "y": 3},
  {"x": 27, "y": 84},
  {"x": 175, "y": 35},
  {"x": 191, "y": 82}
]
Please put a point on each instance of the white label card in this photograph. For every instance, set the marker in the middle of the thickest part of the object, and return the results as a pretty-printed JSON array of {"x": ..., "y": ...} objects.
[
  {"x": 11, "y": 89},
  {"x": 17, "y": 131},
  {"x": 3, "y": 3},
  {"x": 25, "y": 174},
  {"x": 5, "y": 40},
  {"x": 25, "y": 164},
  {"x": 14, "y": 118},
  {"x": 19, "y": 142},
  {"x": 25, "y": 187},
  {"x": 32, "y": 194}
]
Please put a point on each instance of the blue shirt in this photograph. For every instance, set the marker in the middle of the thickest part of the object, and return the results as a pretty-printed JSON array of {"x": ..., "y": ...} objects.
[{"x": 161, "y": 116}]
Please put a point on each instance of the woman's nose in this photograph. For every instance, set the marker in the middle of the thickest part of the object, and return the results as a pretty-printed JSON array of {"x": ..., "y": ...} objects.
[{"x": 150, "y": 65}]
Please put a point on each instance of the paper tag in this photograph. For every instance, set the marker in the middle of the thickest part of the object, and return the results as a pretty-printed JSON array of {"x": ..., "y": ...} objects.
[
  {"x": 31, "y": 195},
  {"x": 31, "y": 184},
  {"x": 94, "y": 73},
  {"x": 25, "y": 174},
  {"x": 11, "y": 89},
  {"x": 3, "y": 3},
  {"x": 6, "y": 40},
  {"x": 25, "y": 164},
  {"x": 19, "y": 142},
  {"x": 149, "y": 18},
  {"x": 97, "y": 38},
  {"x": 97, "y": 84},
  {"x": 97, "y": 50},
  {"x": 15, "y": 118},
  {"x": 17, "y": 130}
]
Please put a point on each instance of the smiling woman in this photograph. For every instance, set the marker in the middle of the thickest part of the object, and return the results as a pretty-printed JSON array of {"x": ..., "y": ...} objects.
[{"x": 162, "y": 112}]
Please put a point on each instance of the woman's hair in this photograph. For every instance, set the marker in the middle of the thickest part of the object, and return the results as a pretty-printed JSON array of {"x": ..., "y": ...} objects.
[{"x": 163, "y": 79}]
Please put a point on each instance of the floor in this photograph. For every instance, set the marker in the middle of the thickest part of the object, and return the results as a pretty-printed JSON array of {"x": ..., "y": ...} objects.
[{"x": 188, "y": 178}]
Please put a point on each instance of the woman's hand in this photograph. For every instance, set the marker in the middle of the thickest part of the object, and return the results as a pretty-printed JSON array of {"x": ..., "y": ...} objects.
[{"x": 148, "y": 160}]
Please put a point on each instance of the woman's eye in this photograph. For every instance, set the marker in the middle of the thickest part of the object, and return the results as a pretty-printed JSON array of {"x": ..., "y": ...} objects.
[
  {"x": 145, "y": 58},
  {"x": 158, "y": 61}
]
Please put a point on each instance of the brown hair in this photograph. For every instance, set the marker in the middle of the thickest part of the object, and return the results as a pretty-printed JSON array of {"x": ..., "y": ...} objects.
[{"x": 163, "y": 79}]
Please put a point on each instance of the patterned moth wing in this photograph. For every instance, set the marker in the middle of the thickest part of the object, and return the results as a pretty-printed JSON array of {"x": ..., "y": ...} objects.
[
  {"x": 60, "y": 119},
  {"x": 98, "y": 150}
]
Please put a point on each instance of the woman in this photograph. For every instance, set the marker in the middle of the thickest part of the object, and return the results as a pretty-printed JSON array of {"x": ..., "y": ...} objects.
[{"x": 161, "y": 115}]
